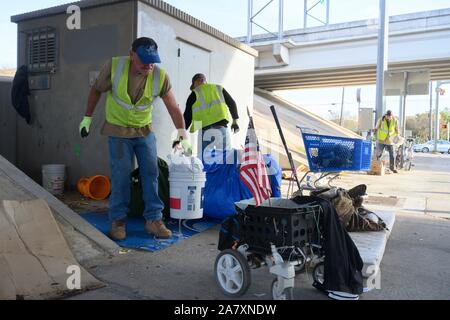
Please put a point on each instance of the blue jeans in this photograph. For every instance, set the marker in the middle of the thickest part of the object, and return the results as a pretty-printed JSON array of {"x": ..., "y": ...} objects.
[
  {"x": 390, "y": 149},
  {"x": 121, "y": 151}
]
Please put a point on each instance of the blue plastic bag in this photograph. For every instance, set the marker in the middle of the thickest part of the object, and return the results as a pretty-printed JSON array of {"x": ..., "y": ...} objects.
[
  {"x": 275, "y": 174},
  {"x": 223, "y": 185}
]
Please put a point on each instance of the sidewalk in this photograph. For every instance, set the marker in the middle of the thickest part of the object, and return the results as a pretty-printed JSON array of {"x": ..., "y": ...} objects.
[{"x": 424, "y": 190}]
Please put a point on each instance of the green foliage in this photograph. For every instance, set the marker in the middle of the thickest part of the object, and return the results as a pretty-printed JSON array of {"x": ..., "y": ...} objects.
[{"x": 419, "y": 124}]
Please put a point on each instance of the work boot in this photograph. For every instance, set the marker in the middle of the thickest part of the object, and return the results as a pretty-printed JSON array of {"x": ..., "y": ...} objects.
[
  {"x": 158, "y": 229},
  {"x": 118, "y": 230}
]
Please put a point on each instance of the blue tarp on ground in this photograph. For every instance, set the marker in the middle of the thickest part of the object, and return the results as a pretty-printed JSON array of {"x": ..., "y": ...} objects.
[
  {"x": 224, "y": 187},
  {"x": 137, "y": 238}
]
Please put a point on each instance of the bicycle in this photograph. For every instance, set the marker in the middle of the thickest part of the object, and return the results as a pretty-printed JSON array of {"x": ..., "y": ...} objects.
[{"x": 405, "y": 155}]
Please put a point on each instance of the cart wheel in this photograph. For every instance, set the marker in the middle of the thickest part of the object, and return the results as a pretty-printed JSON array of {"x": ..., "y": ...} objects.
[
  {"x": 287, "y": 294},
  {"x": 319, "y": 273},
  {"x": 232, "y": 273}
]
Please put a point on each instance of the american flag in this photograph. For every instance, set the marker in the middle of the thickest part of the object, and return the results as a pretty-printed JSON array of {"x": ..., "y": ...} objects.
[{"x": 253, "y": 169}]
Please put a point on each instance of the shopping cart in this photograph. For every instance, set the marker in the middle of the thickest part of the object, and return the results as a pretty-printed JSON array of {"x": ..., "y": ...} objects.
[{"x": 328, "y": 156}]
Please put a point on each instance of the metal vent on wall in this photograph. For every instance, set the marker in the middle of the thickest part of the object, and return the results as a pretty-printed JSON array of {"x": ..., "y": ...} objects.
[{"x": 42, "y": 50}]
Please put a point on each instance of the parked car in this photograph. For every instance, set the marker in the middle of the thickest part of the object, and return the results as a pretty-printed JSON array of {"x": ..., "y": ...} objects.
[{"x": 443, "y": 146}]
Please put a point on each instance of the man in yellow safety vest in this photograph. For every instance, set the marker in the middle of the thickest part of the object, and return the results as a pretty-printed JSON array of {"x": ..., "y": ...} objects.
[
  {"x": 207, "y": 109},
  {"x": 132, "y": 84},
  {"x": 387, "y": 129}
]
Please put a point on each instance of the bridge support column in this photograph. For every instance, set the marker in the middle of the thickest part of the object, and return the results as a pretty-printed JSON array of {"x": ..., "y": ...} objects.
[
  {"x": 430, "y": 134},
  {"x": 405, "y": 94},
  {"x": 382, "y": 57},
  {"x": 437, "y": 127}
]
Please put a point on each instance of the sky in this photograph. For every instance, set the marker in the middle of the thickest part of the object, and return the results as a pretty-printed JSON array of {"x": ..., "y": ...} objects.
[{"x": 230, "y": 16}]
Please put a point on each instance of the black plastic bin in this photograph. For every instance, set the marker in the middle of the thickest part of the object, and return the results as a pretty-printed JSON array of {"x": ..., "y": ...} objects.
[{"x": 281, "y": 222}]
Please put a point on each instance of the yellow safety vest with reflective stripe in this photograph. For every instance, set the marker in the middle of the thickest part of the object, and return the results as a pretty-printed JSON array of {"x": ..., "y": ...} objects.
[
  {"x": 210, "y": 106},
  {"x": 119, "y": 108},
  {"x": 384, "y": 131}
]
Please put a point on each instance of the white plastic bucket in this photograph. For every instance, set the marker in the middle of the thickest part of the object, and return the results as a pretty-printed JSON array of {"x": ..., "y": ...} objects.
[
  {"x": 186, "y": 195},
  {"x": 53, "y": 177}
]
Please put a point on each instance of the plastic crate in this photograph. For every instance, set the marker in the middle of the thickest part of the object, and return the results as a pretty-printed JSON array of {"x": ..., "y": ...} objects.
[
  {"x": 334, "y": 154},
  {"x": 281, "y": 222}
]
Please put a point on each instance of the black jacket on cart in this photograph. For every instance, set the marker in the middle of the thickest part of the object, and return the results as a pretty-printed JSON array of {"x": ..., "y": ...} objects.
[
  {"x": 20, "y": 92},
  {"x": 343, "y": 264}
]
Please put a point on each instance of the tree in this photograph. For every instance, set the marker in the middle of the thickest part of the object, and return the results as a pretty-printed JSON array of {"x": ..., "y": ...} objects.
[
  {"x": 419, "y": 125},
  {"x": 445, "y": 119}
]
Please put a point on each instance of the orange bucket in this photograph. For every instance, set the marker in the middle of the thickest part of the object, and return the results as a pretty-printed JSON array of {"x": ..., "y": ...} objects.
[{"x": 96, "y": 187}]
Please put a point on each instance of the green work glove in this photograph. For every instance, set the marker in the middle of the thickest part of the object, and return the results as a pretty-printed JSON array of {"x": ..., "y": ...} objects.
[
  {"x": 235, "y": 126},
  {"x": 183, "y": 140},
  {"x": 186, "y": 146},
  {"x": 84, "y": 126}
]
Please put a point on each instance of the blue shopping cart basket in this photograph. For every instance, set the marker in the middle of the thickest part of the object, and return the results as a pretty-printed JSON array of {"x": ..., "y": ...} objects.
[{"x": 335, "y": 154}]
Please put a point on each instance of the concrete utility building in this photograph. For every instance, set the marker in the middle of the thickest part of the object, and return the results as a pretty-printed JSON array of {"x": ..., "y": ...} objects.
[
  {"x": 63, "y": 65},
  {"x": 8, "y": 120}
]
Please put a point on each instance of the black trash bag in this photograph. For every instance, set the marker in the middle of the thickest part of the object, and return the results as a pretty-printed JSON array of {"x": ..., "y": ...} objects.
[
  {"x": 231, "y": 232},
  {"x": 358, "y": 191},
  {"x": 343, "y": 264},
  {"x": 20, "y": 92},
  {"x": 137, "y": 202}
]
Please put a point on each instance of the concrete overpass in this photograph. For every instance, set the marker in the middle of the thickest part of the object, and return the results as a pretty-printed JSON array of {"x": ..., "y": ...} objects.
[{"x": 345, "y": 54}]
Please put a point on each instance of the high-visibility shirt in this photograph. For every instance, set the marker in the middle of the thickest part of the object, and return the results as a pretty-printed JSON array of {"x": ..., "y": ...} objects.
[
  {"x": 386, "y": 131},
  {"x": 210, "y": 106},
  {"x": 119, "y": 108}
]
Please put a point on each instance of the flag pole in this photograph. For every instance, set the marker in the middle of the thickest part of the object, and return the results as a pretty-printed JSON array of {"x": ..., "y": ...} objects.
[{"x": 257, "y": 142}]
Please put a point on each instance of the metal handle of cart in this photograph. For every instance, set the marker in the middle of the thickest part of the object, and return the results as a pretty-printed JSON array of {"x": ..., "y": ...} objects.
[{"x": 306, "y": 129}]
